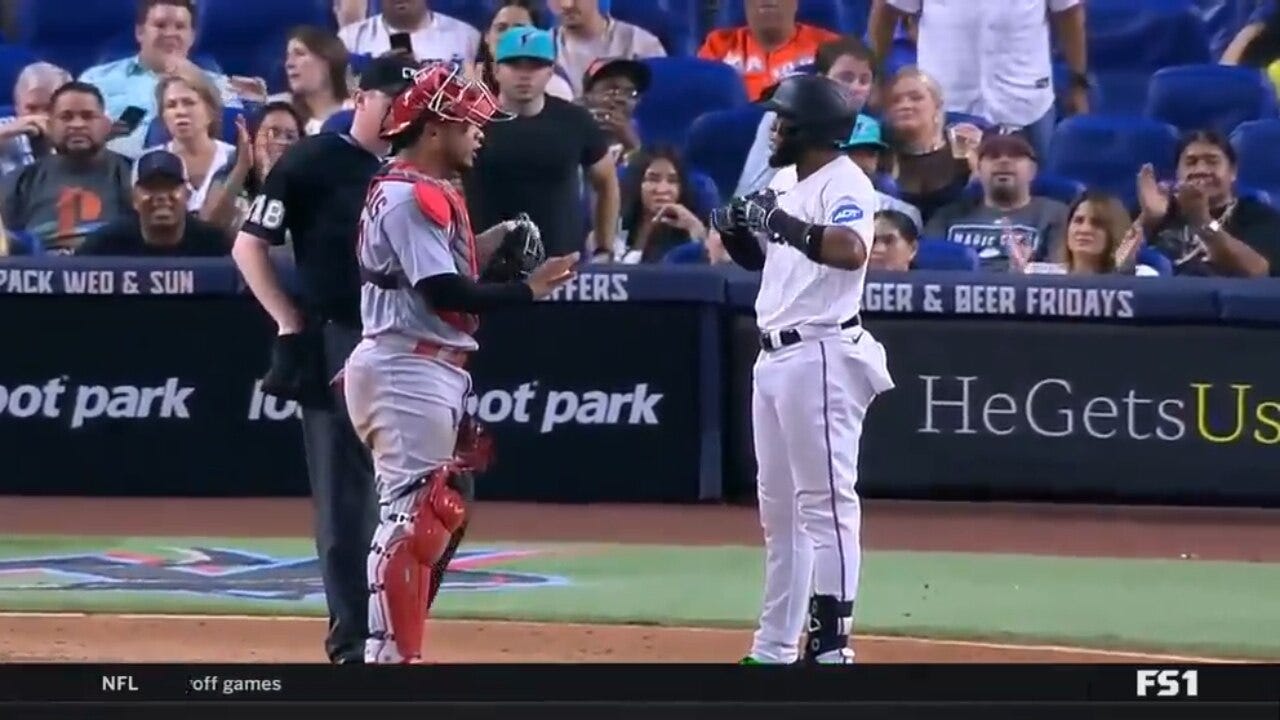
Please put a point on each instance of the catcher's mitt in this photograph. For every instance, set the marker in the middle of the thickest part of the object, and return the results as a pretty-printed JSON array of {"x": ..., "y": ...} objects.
[
  {"x": 520, "y": 251},
  {"x": 474, "y": 449}
]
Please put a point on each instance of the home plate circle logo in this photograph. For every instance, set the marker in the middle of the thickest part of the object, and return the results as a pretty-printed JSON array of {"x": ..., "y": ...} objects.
[{"x": 237, "y": 573}]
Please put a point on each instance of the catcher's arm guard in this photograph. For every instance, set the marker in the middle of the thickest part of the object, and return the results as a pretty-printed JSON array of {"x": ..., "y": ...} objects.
[
  {"x": 474, "y": 448},
  {"x": 519, "y": 252}
]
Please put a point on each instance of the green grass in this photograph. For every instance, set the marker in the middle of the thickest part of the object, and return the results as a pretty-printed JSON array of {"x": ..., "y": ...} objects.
[{"x": 1183, "y": 606}]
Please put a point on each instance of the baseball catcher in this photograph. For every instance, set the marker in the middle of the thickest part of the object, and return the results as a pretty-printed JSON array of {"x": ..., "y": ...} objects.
[{"x": 406, "y": 382}]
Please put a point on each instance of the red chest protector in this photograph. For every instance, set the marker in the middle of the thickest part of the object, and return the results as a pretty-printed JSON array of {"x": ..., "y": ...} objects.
[{"x": 441, "y": 203}]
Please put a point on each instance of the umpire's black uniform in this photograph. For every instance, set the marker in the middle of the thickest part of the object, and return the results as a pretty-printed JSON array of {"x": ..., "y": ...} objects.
[{"x": 316, "y": 193}]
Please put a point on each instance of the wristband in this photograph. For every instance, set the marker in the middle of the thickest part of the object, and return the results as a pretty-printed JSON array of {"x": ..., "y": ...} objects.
[{"x": 803, "y": 236}]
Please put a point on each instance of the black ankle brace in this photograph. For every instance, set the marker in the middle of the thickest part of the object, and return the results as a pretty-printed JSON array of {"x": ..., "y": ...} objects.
[{"x": 829, "y": 622}]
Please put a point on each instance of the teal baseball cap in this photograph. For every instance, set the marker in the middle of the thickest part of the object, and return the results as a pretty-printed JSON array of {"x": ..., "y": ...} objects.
[
  {"x": 525, "y": 43},
  {"x": 866, "y": 133}
]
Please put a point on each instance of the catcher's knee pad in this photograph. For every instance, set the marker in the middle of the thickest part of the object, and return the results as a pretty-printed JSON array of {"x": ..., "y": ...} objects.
[{"x": 402, "y": 565}]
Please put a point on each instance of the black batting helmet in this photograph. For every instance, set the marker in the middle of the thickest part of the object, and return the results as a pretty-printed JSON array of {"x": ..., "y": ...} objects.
[{"x": 818, "y": 113}]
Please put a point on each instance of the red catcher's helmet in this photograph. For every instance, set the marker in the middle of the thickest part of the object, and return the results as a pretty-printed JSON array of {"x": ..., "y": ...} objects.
[{"x": 441, "y": 92}]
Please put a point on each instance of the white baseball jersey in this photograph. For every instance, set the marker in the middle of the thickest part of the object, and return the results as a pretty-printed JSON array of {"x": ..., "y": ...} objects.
[
  {"x": 398, "y": 241},
  {"x": 795, "y": 290}
]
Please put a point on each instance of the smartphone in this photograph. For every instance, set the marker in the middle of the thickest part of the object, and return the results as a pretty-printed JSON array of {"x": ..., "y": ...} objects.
[
  {"x": 402, "y": 41},
  {"x": 130, "y": 118}
]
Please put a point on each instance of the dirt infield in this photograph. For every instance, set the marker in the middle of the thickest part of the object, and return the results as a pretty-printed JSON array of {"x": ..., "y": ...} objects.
[{"x": 1248, "y": 535}]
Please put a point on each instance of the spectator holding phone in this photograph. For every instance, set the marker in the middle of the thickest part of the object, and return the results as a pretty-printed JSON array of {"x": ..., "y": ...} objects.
[
  {"x": 1201, "y": 225},
  {"x": 193, "y": 116},
  {"x": 83, "y": 185},
  {"x": 165, "y": 32},
  {"x": 161, "y": 227},
  {"x": 316, "y": 68},
  {"x": 412, "y": 27},
  {"x": 24, "y": 137},
  {"x": 656, "y": 209},
  {"x": 1100, "y": 239},
  {"x": 613, "y": 87},
  {"x": 514, "y": 13}
]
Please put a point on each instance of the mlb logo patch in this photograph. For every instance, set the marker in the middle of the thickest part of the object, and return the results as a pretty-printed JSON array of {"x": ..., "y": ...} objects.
[{"x": 846, "y": 213}]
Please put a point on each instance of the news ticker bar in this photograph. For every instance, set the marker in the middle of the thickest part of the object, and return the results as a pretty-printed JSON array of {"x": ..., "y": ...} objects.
[{"x": 640, "y": 683}]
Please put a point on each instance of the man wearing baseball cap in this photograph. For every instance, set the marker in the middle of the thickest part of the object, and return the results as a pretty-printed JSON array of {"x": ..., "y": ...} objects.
[
  {"x": 162, "y": 227},
  {"x": 312, "y": 198},
  {"x": 535, "y": 163},
  {"x": 865, "y": 147},
  {"x": 611, "y": 90},
  {"x": 1004, "y": 212}
]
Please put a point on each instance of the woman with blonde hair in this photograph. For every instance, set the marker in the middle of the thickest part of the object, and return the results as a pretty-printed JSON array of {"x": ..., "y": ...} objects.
[
  {"x": 191, "y": 111},
  {"x": 930, "y": 171},
  {"x": 1099, "y": 239}
]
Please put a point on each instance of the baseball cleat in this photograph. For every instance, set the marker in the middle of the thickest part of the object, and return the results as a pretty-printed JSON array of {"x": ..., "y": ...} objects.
[{"x": 843, "y": 656}]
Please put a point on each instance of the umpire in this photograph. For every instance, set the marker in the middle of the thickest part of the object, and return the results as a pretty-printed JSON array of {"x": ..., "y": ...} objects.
[{"x": 314, "y": 196}]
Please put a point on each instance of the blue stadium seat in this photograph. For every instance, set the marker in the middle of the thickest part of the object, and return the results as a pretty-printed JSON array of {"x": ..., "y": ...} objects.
[
  {"x": 1257, "y": 145},
  {"x": 844, "y": 16},
  {"x": 690, "y": 253},
  {"x": 339, "y": 122},
  {"x": 69, "y": 33},
  {"x": 901, "y": 54},
  {"x": 1122, "y": 92},
  {"x": 12, "y": 59},
  {"x": 245, "y": 36},
  {"x": 1105, "y": 152},
  {"x": 944, "y": 255},
  {"x": 1154, "y": 259},
  {"x": 22, "y": 242},
  {"x": 718, "y": 143},
  {"x": 1219, "y": 97},
  {"x": 673, "y": 21},
  {"x": 1145, "y": 35},
  {"x": 683, "y": 89},
  {"x": 476, "y": 12}
]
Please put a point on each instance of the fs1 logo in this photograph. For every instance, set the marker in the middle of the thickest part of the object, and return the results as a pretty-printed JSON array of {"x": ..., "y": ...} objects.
[{"x": 1168, "y": 683}]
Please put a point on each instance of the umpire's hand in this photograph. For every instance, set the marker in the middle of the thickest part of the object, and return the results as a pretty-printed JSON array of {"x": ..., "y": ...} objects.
[{"x": 297, "y": 368}]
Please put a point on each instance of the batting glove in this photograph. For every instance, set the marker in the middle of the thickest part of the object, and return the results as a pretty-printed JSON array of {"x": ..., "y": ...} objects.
[
  {"x": 722, "y": 220},
  {"x": 752, "y": 212}
]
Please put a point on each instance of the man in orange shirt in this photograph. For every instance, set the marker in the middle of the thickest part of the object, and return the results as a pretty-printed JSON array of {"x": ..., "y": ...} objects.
[{"x": 769, "y": 48}]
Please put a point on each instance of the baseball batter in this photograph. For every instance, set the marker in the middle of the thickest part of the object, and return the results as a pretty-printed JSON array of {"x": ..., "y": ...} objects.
[
  {"x": 817, "y": 373},
  {"x": 406, "y": 381}
]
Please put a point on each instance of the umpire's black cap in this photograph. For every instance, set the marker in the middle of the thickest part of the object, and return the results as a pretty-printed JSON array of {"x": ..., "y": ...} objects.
[{"x": 390, "y": 73}]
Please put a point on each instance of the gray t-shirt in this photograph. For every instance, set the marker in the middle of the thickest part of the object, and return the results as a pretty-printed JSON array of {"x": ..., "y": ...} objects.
[
  {"x": 60, "y": 201},
  {"x": 1039, "y": 223},
  {"x": 398, "y": 240}
]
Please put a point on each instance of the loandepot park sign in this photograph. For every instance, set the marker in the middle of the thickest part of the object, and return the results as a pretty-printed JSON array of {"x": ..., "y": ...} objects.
[{"x": 234, "y": 573}]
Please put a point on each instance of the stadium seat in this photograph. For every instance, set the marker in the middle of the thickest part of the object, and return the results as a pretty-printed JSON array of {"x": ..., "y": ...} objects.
[
  {"x": 944, "y": 255},
  {"x": 69, "y": 33},
  {"x": 901, "y": 54},
  {"x": 718, "y": 144},
  {"x": 12, "y": 59},
  {"x": 1257, "y": 145},
  {"x": 1219, "y": 97},
  {"x": 683, "y": 89},
  {"x": 1122, "y": 92},
  {"x": 673, "y": 21},
  {"x": 1106, "y": 152},
  {"x": 248, "y": 38},
  {"x": 1146, "y": 35},
  {"x": 1154, "y": 259},
  {"x": 690, "y": 253},
  {"x": 339, "y": 122},
  {"x": 22, "y": 242},
  {"x": 844, "y": 16}
]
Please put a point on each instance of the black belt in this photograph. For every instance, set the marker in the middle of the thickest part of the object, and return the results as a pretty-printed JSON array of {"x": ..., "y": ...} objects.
[{"x": 791, "y": 336}]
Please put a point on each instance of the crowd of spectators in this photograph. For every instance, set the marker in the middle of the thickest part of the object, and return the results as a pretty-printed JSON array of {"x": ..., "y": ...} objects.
[{"x": 954, "y": 142}]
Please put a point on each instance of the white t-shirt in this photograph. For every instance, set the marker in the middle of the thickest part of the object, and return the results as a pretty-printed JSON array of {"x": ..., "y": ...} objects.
[
  {"x": 1051, "y": 268},
  {"x": 796, "y": 291},
  {"x": 620, "y": 39},
  {"x": 991, "y": 57},
  {"x": 441, "y": 37}
]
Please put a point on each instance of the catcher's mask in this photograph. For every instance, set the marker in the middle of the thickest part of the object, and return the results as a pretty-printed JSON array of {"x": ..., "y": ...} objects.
[{"x": 441, "y": 92}]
